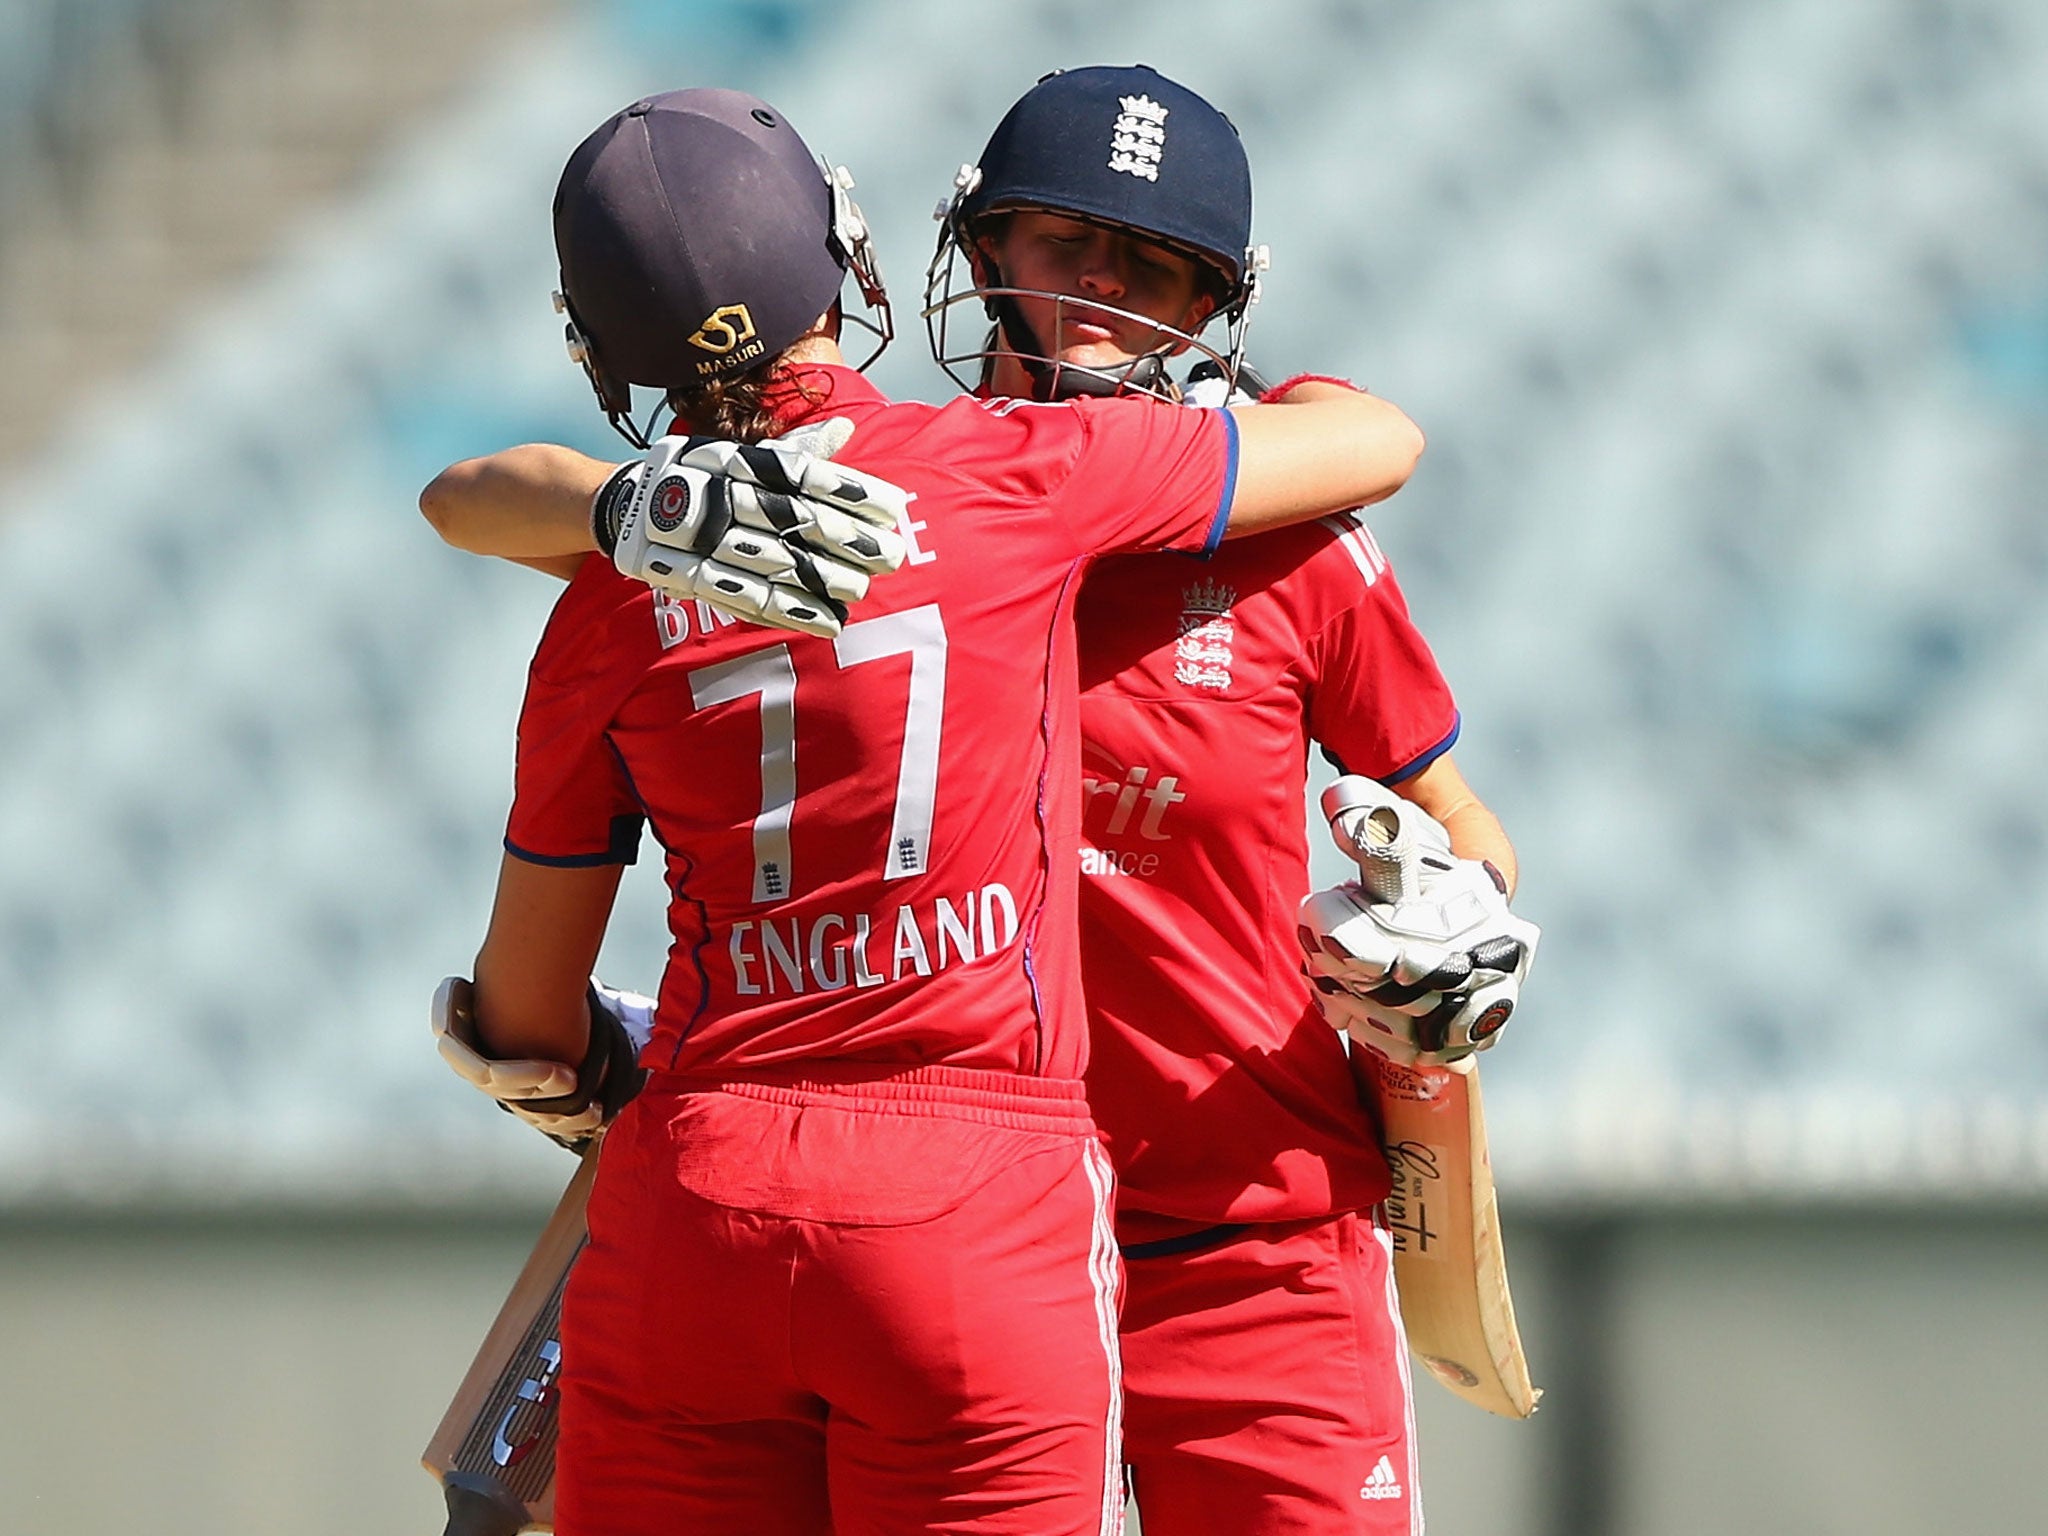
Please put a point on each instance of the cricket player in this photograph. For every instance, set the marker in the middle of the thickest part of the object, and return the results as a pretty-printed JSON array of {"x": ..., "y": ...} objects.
[
  {"x": 851, "y": 1266},
  {"x": 1265, "y": 1372}
]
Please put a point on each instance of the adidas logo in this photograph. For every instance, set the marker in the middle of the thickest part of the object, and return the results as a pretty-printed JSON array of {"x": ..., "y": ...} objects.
[{"x": 1382, "y": 1484}]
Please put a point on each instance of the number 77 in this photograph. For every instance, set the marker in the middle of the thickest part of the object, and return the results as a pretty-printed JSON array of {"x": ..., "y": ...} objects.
[{"x": 918, "y": 633}]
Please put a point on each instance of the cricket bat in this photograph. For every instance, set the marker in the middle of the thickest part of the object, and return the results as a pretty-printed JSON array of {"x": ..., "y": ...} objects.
[
  {"x": 1449, "y": 1265},
  {"x": 494, "y": 1452}
]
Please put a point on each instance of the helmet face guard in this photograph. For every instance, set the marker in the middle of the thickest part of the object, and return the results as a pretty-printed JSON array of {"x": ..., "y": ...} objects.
[
  {"x": 1118, "y": 148},
  {"x": 968, "y": 347},
  {"x": 856, "y": 247},
  {"x": 968, "y": 344}
]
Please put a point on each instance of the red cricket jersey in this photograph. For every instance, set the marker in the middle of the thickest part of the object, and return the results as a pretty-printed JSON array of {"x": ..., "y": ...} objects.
[
  {"x": 1223, "y": 1095},
  {"x": 871, "y": 841}
]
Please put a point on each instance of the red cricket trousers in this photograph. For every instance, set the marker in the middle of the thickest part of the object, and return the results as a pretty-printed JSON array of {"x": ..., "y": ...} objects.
[
  {"x": 1267, "y": 1389},
  {"x": 884, "y": 1305}
]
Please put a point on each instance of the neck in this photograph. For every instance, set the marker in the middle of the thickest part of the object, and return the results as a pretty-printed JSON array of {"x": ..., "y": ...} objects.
[
  {"x": 1007, "y": 380},
  {"x": 814, "y": 348}
]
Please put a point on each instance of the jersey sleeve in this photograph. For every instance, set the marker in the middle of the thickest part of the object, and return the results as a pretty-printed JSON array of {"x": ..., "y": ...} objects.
[
  {"x": 573, "y": 804},
  {"x": 1112, "y": 476},
  {"x": 1378, "y": 703},
  {"x": 1151, "y": 477}
]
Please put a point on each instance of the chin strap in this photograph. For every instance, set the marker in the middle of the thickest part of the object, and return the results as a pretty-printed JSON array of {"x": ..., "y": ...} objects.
[
  {"x": 1146, "y": 372},
  {"x": 1011, "y": 325},
  {"x": 1053, "y": 381}
]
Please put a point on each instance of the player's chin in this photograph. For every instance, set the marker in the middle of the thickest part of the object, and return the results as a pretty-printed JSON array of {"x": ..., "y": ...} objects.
[{"x": 1106, "y": 357}]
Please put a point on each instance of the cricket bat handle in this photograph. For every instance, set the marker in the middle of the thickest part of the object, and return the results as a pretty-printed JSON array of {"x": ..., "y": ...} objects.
[
  {"x": 481, "y": 1506},
  {"x": 1375, "y": 827}
]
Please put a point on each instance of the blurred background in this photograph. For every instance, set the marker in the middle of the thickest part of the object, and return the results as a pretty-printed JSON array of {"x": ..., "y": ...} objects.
[{"x": 1728, "y": 323}]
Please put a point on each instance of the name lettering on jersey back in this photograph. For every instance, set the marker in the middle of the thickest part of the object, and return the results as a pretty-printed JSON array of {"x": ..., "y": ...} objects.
[
  {"x": 834, "y": 950},
  {"x": 677, "y": 620},
  {"x": 918, "y": 554}
]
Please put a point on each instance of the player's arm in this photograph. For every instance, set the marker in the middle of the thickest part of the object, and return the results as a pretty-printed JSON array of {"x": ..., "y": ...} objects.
[
  {"x": 535, "y": 1031},
  {"x": 772, "y": 531},
  {"x": 530, "y": 504},
  {"x": 1476, "y": 833},
  {"x": 533, "y": 970},
  {"x": 1321, "y": 447}
]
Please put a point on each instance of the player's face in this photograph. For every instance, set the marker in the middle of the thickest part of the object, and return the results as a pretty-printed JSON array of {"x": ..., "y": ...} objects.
[{"x": 1068, "y": 258}]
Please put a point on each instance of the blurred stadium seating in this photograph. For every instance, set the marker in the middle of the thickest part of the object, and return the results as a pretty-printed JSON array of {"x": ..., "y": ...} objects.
[
  {"x": 1726, "y": 325},
  {"x": 151, "y": 152}
]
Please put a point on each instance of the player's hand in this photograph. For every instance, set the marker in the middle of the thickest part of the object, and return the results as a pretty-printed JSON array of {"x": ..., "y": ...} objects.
[
  {"x": 771, "y": 531},
  {"x": 1420, "y": 958},
  {"x": 567, "y": 1104}
]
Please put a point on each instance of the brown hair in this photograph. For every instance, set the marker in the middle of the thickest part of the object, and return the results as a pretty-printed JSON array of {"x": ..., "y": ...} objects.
[{"x": 744, "y": 408}]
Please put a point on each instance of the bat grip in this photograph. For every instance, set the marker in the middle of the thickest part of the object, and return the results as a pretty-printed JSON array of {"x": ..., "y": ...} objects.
[
  {"x": 1385, "y": 874},
  {"x": 481, "y": 1506},
  {"x": 1383, "y": 851},
  {"x": 1370, "y": 823}
]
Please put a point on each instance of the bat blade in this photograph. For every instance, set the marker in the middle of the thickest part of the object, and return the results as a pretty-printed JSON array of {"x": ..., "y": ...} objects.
[
  {"x": 1449, "y": 1265},
  {"x": 494, "y": 1451}
]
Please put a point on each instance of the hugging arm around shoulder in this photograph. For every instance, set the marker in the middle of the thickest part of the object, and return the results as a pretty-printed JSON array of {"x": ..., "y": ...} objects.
[{"x": 1323, "y": 447}]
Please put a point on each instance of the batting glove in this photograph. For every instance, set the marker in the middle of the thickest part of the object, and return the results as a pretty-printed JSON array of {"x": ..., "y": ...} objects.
[
  {"x": 773, "y": 531},
  {"x": 1420, "y": 958},
  {"x": 634, "y": 1011},
  {"x": 1206, "y": 385},
  {"x": 567, "y": 1104}
]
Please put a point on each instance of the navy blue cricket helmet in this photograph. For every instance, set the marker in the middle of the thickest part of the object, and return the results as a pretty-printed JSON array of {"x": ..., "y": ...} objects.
[
  {"x": 698, "y": 238},
  {"x": 1121, "y": 146}
]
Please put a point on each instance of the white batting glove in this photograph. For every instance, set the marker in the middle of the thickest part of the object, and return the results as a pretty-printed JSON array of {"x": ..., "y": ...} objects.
[
  {"x": 1206, "y": 386},
  {"x": 1420, "y": 959},
  {"x": 634, "y": 1011},
  {"x": 773, "y": 531},
  {"x": 1209, "y": 391},
  {"x": 567, "y": 1104}
]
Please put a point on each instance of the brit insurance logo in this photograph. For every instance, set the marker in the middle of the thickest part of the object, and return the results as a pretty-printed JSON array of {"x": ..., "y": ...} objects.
[
  {"x": 1202, "y": 649},
  {"x": 1138, "y": 140}
]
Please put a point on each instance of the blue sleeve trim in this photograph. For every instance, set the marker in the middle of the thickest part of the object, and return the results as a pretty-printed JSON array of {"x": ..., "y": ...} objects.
[
  {"x": 1409, "y": 770},
  {"x": 624, "y": 849},
  {"x": 1222, "y": 518}
]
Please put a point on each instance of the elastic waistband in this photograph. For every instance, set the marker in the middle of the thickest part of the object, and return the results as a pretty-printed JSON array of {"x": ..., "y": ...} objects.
[
  {"x": 1187, "y": 1242},
  {"x": 971, "y": 1093}
]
